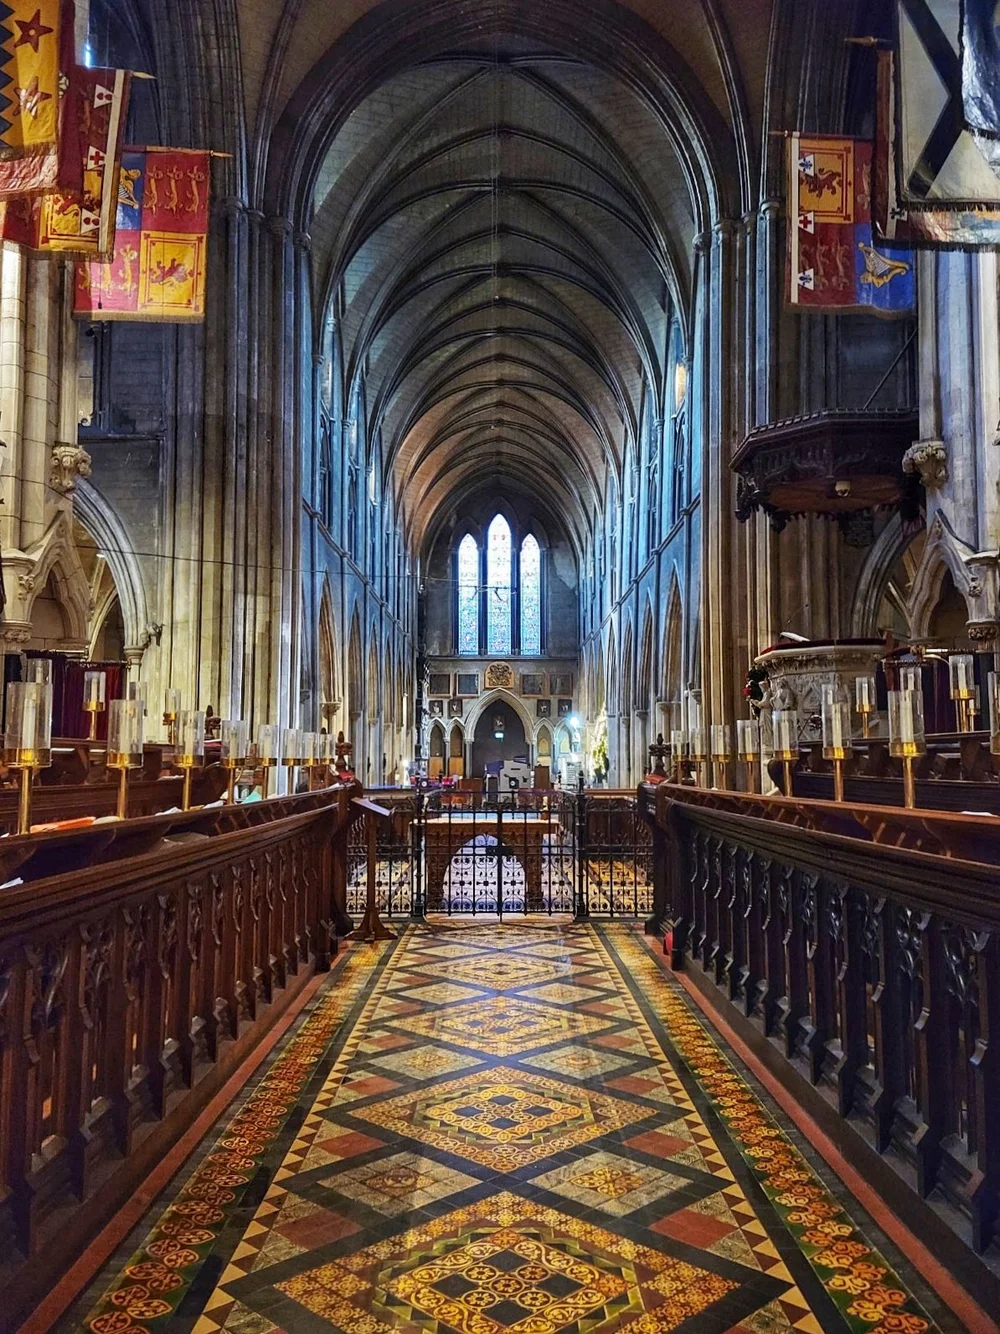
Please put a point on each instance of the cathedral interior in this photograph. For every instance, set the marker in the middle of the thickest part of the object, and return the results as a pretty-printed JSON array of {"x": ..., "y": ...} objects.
[{"x": 500, "y": 536}]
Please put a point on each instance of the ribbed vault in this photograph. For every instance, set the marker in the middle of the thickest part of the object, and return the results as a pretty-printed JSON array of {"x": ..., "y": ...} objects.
[{"x": 503, "y": 234}]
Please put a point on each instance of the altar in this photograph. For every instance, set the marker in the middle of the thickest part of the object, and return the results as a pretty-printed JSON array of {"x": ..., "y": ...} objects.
[{"x": 467, "y": 855}]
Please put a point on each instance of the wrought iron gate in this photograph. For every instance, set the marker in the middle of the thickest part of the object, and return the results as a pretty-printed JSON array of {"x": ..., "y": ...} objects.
[{"x": 470, "y": 854}]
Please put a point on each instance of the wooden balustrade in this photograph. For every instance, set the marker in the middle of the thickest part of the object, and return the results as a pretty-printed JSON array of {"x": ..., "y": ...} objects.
[
  {"x": 132, "y": 989},
  {"x": 857, "y": 950}
]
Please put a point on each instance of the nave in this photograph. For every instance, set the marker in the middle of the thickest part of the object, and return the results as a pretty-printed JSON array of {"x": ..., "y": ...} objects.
[{"x": 507, "y": 1128}]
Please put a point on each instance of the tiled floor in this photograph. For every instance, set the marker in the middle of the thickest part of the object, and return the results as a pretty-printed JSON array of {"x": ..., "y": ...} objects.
[{"x": 506, "y": 1130}]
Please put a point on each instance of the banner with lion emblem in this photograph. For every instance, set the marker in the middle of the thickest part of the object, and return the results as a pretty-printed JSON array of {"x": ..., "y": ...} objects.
[
  {"x": 835, "y": 262},
  {"x": 157, "y": 272}
]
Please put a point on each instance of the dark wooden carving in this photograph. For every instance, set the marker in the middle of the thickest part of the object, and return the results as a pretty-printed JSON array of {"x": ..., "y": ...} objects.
[
  {"x": 832, "y": 462},
  {"x": 865, "y": 943}
]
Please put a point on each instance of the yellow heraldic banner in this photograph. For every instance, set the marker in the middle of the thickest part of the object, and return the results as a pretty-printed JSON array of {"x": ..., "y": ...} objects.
[
  {"x": 158, "y": 268},
  {"x": 29, "y": 76}
]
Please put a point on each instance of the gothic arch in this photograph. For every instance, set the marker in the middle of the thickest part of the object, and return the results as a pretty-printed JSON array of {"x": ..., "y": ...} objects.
[
  {"x": 887, "y": 548},
  {"x": 494, "y": 697},
  {"x": 942, "y": 551},
  {"x": 329, "y": 700},
  {"x": 114, "y": 543},
  {"x": 673, "y": 653},
  {"x": 355, "y": 670},
  {"x": 55, "y": 556}
]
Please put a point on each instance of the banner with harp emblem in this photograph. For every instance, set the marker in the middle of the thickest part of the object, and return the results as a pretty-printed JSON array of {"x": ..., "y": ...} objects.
[
  {"x": 157, "y": 272},
  {"x": 834, "y": 261}
]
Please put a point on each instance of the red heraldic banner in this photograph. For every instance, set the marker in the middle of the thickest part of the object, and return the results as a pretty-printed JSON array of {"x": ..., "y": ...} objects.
[
  {"x": 834, "y": 263},
  {"x": 158, "y": 269},
  {"x": 29, "y": 76},
  {"x": 79, "y": 220}
]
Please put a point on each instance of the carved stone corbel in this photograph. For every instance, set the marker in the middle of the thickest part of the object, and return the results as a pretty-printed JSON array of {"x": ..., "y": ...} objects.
[
  {"x": 68, "y": 463},
  {"x": 929, "y": 459}
]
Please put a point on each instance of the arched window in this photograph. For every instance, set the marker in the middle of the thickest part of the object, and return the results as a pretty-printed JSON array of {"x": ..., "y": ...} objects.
[
  {"x": 468, "y": 596},
  {"x": 531, "y": 598},
  {"x": 498, "y": 571}
]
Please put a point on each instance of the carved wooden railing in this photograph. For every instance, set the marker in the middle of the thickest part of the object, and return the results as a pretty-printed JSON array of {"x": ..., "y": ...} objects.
[
  {"x": 132, "y": 989},
  {"x": 857, "y": 950}
]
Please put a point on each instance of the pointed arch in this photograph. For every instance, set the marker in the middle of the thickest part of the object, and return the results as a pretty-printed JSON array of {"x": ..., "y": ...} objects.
[
  {"x": 507, "y": 697},
  {"x": 499, "y": 573},
  {"x": 329, "y": 700},
  {"x": 355, "y": 670},
  {"x": 673, "y": 654},
  {"x": 109, "y": 534}
]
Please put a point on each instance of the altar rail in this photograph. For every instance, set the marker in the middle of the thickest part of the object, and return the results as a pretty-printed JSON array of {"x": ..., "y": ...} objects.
[
  {"x": 857, "y": 950},
  {"x": 131, "y": 990}
]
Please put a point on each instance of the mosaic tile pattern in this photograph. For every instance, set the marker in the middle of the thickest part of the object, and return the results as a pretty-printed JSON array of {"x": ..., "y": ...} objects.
[{"x": 504, "y": 1130}]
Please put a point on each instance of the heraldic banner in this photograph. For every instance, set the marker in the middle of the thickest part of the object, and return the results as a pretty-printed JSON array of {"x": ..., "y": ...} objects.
[
  {"x": 157, "y": 272},
  {"x": 834, "y": 263},
  {"x": 29, "y": 76}
]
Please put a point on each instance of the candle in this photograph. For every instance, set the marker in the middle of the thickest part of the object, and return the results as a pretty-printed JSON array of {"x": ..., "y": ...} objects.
[
  {"x": 678, "y": 743},
  {"x": 864, "y": 694},
  {"x": 125, "y": 734},
  {"x": 234, "y": 739},
  {"x": 748, "y": 739},
  {"x": 721, "y": 742},
  {"x": 290, "y": 745},
  {"x": 171, "y": 705},
  {"x": 267, "y": 743},
  {"x": 961, "y": 676},
  {"x": 190, "y": 738},
  {"x": 94, "y": 686},
  {"x": 784, "y": 724}
]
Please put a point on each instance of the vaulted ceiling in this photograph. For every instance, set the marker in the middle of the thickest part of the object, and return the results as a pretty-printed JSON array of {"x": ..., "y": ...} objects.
[{"x": 504, "y": 227}]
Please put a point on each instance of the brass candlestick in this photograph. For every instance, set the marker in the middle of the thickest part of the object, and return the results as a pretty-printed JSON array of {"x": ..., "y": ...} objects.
[
  {"x": 125, "y": 727},
  {"x": 234, "y": 737},
  {"x": 748, "y": 747},
  {"x": 190, "y": 748},
  {"x": 94, "y": 695},
  {"x": 28, "y": 739},
  {"x": 836, "y": 719},
  {"x": 906, "y": 736},
  {"x": 784, "y": 730}
]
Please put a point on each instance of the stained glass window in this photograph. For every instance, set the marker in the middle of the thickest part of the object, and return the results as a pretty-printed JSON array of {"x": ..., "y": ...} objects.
[
  {"x": 498, "y": 552},
  {"x": 531, "y": 598},
  {"x": 468, "y": 596}
]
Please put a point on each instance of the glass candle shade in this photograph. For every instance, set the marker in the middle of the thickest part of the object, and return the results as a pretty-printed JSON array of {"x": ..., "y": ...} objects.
[
  {"x": 94, "y": 687},
  {"x": 125, "y": 734},
  {"x": 993, "y": 701},
  {"x": 906, "y": 723},
  {"x": 171, "y": 705},
  {"x": 678, "y": 743},
  {"x": 911, "y": 678},
  {"x": 268, "y": 738},
  {"x": 721, "y": 742},
  {"x": 962, "y": 676},
  {"x": 291, "y": 745},
  {"x": 865, "y": 698},
  {"x": 836, "y": 717},
  {"x": 307, "y": 749},
  {"x": 698, "y": 744},
  {"x": 785, "y": 730},
  {"x": 136, "y": 690},
  {"x": 28, "y": 735},
  {"x": 234, "y": 736},
  {"x": 329, "y": 749},
  {"x": 190, "y": 739},
  {"x": 748, "y": 739},
  {"x": 39, "y": 670}
]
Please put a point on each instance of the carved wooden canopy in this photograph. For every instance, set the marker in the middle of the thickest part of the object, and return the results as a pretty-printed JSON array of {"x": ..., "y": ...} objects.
[{"x": 831, "y": 462}]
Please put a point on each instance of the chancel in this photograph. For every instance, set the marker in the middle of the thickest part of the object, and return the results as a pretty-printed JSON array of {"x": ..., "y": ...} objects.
[{"x": 500, "y": 603}]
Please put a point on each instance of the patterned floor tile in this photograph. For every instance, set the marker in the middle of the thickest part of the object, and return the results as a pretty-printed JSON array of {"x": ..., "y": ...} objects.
[
  {"x": 504, "y": 1025},
  {"x": 579, "y": 1061},
  {"x": 424, "y": 1062},
  {"x": 563, "y": 993},
  {"x": 399, "y": 1184},
  {"x": 502, "y": 1118},
  {"x": 502, "y": 972},
  {"x": 506, "y": 1265},
  {"x": 623, "y": 1174},
  {"x": 609, "y": 1182}
]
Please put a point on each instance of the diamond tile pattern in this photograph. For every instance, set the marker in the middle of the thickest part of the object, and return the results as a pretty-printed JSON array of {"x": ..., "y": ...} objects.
[{"x": 515, "y": 1131}]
